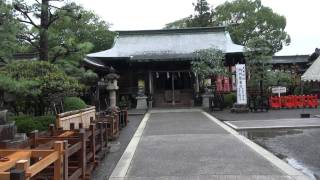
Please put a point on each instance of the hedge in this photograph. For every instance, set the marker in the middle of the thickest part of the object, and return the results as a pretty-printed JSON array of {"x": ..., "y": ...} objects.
[
  {"x": 27, "y": 123},
  {"x": 229, "y": 99},
  {"x": 73, "y": 103}
]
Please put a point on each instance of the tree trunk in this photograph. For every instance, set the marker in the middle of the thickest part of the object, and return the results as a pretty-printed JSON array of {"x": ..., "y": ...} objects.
[{"x": 44, "y": 45}]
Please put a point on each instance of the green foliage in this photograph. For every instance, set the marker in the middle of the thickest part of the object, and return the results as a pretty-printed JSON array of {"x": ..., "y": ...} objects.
[
  {"x": 72, "y": 39},
  {"x": 9, "y": 29},
  {"x": 27, "y": 124},
  {"x": 73, "y": 103},
  {"x": 306, "y": 90},
  {"x": 249, "y": 19},
  {"x": 258, "y": 59},
  {"x": 203, "y": 17},
  {"x": 208, "y": 62},
  {"x": 245, "y": 19},
  {"x": 229, "y": 99},
  {"x": 37, "y": 82},
  {"x": 280, "y": 78}
]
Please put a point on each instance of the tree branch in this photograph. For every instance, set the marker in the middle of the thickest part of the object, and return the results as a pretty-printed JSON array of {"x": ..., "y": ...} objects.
[
  {"x": 53, "y": 18},
  {"x": 59, "y": 54},
  {"x": 29, "y": 40},
  {"x": 26, "y": 15},
  {"x": 38, "y": 2}
]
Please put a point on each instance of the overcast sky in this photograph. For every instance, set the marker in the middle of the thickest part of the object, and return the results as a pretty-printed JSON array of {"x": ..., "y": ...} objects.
[{"x": 303, "y": 23}]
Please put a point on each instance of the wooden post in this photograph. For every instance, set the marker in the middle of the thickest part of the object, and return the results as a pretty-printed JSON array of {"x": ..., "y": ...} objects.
[
  {"x": 58, "y": 121},
  {"x": 65, "y": 160},
  {"x": 80, "y": 125},
  {"x": 100, "y": 126},
  {"x": 83, "y": 158},
  {"x": 17, "y": 174},
  {"x": 52, "y": 129},
  {"x": 72, "y": 127},
  {"x": 58, "y": 170},
  {"x": 23, "y": 165},
  {"x": 173, "y": 99},
  {"x": 93, "y": 142},
  {"x": 150, "y": 83},
  {"x": 34, "y": 136},
  {"x": 91, "y": 119},
  {"x": 197, "y": 83},
  {"x": 105, "y": 125}
]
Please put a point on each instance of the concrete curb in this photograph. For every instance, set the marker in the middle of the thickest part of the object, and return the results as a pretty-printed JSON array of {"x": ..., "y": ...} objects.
[
  {"x": 287, "y": 169},
  {"x": 123, "y": 164}
]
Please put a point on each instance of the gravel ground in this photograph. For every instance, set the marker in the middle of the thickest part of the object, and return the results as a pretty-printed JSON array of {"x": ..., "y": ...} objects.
[{"x": 118, "y": 146}]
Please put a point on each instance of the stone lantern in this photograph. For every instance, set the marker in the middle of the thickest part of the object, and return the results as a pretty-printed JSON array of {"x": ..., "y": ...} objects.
[{"x": 112, "y": 87}]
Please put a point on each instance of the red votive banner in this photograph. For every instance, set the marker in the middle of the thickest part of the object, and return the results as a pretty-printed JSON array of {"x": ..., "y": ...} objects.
[{"x": 292, "y": 101}]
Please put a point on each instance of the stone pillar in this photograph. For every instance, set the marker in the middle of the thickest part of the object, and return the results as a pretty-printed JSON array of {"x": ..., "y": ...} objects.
[
  {"x": 113, "y": 99},
  {"x": 112, "y": 87},
  {"x": 141, "y": 98},
  {"x": 206, "y": 100}
]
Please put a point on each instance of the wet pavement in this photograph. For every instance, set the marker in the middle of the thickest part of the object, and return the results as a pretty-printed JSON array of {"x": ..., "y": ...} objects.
[
  {"x": 226, "y": 115},
  {"x": 299, "y": 147},
  {"x": 275, "y": 124},
  {"x": 188, "y": 145},
  {"x": 118, "y": 146}
]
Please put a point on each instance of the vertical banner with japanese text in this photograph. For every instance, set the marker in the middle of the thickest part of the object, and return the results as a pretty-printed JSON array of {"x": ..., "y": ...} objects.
[{"x": 241, "y": 84}]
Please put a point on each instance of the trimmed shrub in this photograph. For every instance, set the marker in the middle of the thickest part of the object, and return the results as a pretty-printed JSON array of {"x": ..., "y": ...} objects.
[
  {"x": 27, "y": 123},
  {"x": 229, "y": 99},
  {"x": 73, "y": 103}
]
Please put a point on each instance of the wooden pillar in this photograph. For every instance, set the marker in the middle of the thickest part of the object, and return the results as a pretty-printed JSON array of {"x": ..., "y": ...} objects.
[
  {"x": 150, "y": 83},
  {"x": 58, "y": 170},
  {"x": 197, "y": 83},
  {"x": 23, "y": 165},
  {"x": 173, "y": 99},
  {"x": 93, "y": 142},
  {"x": 83, "y": 157},
  {"x": 16, "y": 174},
  {"x": 66, "y": 160}
]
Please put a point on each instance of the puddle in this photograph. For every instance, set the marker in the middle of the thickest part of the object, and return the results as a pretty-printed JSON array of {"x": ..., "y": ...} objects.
[
  {"x": 300, "y": 148},
  {"x": 297, "y": 165}
]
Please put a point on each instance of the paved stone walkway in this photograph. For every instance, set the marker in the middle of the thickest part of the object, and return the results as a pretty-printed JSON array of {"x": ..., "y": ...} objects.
[
  {"x": 191, "y": 144},
  {"x": 275, "y": 124}
]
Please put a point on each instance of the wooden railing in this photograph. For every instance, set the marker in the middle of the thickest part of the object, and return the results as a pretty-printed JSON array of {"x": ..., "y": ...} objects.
[
  {"x": 17, "y": 165},
  {"x": 82, "y": 147},
  {"x": 83, "y": 116},
  {"x": 69, "y": 150}
]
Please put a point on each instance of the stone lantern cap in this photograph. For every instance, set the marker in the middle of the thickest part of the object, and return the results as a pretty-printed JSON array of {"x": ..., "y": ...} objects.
[{"x": 112, "y": 75}]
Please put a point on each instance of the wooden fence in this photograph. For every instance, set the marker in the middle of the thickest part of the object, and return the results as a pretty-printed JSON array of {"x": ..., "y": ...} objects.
[
  {"x": 69, "y": 150},
  {"x": 83, "y": 116},
  {"x": 16, "y": 164}
]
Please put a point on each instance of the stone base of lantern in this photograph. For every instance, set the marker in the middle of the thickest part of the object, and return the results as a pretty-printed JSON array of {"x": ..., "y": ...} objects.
[
  {"x": 240, "y": 108},
  {"x": 206, "y": 100},
  {"x": 142, "y": 102}
]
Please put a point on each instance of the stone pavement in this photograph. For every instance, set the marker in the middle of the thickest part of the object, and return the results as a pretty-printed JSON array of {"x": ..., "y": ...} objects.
[
  {"x": 275, "y": 124},
  {"x": 104, "y": 170},
  {"x": 191, "y": 144}
]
